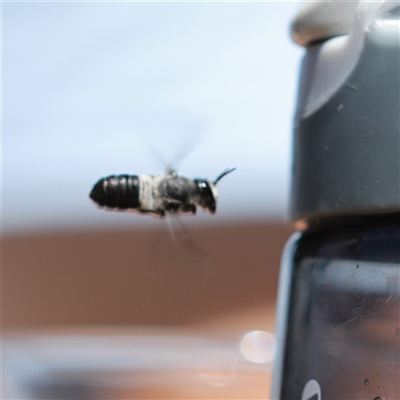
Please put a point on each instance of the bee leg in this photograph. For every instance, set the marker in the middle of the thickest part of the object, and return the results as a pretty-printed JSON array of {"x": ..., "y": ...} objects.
[
  {"x": 189, "y": 208},
  {"x": 172, "y": 206},
  {"x": 160, "y": 212}
]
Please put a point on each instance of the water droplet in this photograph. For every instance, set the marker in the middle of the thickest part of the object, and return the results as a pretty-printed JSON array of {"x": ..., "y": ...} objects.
[
  {"x": 366, "y": 382},
  {"x": 377, "y": 398}
]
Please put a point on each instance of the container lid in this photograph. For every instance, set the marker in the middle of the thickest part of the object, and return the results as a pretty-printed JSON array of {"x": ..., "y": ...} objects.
[{"x": 347, "y": 137}]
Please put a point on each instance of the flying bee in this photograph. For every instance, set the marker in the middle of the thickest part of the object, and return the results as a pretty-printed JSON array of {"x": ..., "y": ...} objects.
[{"x": 160, "y": 195}]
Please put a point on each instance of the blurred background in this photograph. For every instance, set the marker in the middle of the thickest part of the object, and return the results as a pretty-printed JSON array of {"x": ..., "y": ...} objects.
[{"x": 92, "y": 89}]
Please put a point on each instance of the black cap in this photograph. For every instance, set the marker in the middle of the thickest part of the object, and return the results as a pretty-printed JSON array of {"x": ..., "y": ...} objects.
[{"x": 347, "y": 137}]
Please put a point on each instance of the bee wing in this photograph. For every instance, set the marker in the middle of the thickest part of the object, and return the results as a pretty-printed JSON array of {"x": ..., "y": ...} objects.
[
  {"x": 169, "y": 134},
  {"x": 191, "y": 142},
  {"x": 183, "y": 237},
  {"x": 176, "y": 229}
]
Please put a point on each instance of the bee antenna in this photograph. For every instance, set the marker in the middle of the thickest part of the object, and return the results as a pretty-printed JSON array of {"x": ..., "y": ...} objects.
[{"x": 226, "y": 172}]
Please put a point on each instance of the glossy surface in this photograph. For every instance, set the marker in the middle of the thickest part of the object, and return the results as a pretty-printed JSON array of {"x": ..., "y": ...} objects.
[
  {"x": 343, "y": 332},
  {"x": 346, "y": 142},
  {"x": 117, "y": 191}
]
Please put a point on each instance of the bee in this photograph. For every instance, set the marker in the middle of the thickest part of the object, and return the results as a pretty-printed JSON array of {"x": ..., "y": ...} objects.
[{"x": 157, "y": 195}]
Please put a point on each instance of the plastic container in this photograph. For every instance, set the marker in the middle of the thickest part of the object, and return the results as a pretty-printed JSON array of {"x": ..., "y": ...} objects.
[{"x": 338, "y": 324}]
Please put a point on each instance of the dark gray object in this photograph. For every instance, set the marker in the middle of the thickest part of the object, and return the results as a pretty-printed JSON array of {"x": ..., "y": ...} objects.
[
  {"x": 347, "y": 152},
  {"x": 338, "y": 313}
]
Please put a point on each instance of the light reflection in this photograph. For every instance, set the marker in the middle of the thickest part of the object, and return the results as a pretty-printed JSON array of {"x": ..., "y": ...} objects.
[
  {"x": 218, "y": 367},
  {"x": 258, "y": 346},
  {"x": 388, "y": 23},
  {"x": 386, "y": 32}
]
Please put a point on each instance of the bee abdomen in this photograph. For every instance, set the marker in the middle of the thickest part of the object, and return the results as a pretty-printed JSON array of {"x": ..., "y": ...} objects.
[{"x": 117, "y": 191}]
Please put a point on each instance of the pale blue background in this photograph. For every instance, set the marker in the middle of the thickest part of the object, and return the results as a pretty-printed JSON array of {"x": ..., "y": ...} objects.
[{"x": 91, "y": 89}]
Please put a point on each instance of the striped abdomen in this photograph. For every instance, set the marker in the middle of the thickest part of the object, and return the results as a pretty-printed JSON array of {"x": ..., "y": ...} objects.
[{"x": 117, "y": 191}]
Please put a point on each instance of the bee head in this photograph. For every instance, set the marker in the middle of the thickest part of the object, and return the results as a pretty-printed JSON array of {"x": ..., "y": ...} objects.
[
  {"x": 207, "y": 191},
  {"x": 207, "y": 194}
]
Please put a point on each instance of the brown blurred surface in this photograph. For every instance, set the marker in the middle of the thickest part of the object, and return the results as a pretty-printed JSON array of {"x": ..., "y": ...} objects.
[{"x": 227, "y": 276}]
